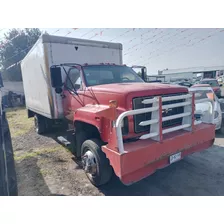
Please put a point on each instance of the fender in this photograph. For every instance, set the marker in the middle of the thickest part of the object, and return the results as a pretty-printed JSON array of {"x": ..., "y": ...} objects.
[{"x": 98, "y": 116}]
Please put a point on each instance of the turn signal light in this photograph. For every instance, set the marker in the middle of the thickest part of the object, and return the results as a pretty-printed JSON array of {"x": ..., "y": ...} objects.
[
  {"x": 113, "y": 103},
  {"x": 210, "y": 96}
]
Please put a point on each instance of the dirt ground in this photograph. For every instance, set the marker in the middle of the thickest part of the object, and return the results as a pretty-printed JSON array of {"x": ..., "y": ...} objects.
[{"x": 46, "y": 168}]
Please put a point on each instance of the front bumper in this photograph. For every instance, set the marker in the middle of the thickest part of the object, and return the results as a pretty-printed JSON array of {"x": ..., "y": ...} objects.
[{"x": 143, "y": 157}]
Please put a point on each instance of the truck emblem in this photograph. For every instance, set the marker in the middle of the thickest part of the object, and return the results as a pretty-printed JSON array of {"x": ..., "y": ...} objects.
[{"x": 166, "y": 111}]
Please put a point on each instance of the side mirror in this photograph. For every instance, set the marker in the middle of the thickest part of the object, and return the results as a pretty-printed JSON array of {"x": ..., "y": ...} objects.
[
  {"x": 56, "y": 79},
  {"x": 144, "y": 73},
  {"x": 58, "y": 90},
  {"x": 220, "y": 85}
]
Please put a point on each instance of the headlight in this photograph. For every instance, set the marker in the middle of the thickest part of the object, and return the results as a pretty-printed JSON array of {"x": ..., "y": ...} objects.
[
  {"x": 124, "y": 126},
  {"x": 216, "y": 114}
]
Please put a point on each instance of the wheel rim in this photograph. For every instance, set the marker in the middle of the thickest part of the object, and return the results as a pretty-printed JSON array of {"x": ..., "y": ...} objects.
[
  {"x": 36, "y": 124},
  {"x": 89, "y": 163}
]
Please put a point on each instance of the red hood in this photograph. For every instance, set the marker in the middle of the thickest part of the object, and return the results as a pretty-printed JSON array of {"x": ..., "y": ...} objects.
[
  {"x": 123, "y": 93},
  {"x": 142, "y": 88}
]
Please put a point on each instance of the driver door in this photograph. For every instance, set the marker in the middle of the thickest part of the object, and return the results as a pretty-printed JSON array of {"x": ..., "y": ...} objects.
[{"x": 72, "y": 98}]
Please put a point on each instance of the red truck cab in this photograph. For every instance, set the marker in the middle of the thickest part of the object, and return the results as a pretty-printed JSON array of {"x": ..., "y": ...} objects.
[{"x": 125, "y": 125}]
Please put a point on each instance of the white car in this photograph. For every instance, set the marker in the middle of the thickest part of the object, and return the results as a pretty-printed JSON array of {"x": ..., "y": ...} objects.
[{"x": 202, "y": 92}]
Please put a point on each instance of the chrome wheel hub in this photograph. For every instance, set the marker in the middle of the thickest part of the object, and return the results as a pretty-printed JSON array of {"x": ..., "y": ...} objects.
[{"x": 89, "y": 163}]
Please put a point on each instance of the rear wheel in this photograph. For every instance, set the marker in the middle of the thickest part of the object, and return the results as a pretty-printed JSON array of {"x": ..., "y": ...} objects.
[
  {"x": 40, "y": 124},
  {"x": 95, "y": 163}
]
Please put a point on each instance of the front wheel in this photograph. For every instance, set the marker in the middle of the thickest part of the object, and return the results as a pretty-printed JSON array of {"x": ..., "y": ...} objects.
[{"x": 95, "y": 163}]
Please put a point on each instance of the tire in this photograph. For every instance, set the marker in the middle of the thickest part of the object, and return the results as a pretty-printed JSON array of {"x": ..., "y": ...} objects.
[
  {"x": 80, "y": 137},
  {"x": 103, "y": 171},
  {"x": 40, "y": 124},
  {"x": 221, "y": 130},
  {"x": 8, "y": 177}
]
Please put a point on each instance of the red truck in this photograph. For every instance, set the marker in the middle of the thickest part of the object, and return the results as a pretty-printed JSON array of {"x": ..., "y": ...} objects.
[{"x": 120, "y": 123}]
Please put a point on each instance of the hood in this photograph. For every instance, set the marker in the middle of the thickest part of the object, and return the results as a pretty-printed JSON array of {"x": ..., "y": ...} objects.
[
  {"x": 123, "y": 93},
  {"x": 144, "y": 89}
]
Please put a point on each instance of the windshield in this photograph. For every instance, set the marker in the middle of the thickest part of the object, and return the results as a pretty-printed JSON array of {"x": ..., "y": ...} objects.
[
  {"x": 212, "y": 83},
  {"x": 107, "y": 74}
]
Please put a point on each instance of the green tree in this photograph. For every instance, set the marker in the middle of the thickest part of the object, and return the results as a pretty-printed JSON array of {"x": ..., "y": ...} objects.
[{"x": 14, "y": 46}]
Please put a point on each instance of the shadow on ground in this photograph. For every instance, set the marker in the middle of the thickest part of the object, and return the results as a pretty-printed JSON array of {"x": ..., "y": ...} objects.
[{"x": 30, "y": 179}]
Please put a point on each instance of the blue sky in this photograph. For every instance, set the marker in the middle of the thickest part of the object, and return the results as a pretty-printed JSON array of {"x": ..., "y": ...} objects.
[{"x": 159, "y": 48}]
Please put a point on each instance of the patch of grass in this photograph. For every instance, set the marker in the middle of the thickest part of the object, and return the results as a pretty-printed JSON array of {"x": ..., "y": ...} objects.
[
  {"x": 37, "y": 152},
  {"x": 19, "y": 123}
]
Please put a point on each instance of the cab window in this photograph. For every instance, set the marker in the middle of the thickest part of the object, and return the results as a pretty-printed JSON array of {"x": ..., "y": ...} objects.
[{"x": 73, "y": 80}]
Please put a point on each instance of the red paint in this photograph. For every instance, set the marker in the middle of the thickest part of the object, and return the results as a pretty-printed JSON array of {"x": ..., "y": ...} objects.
[{"x": 144, "y": 157}]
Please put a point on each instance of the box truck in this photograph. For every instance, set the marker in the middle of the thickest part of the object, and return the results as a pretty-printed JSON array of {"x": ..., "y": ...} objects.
[{"x": 120, "y": 123}]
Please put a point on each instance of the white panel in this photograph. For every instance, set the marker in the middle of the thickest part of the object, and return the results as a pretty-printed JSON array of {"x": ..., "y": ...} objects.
[
  {"x": 34, "y": 81},
  {"x": 67, "y": 53}
]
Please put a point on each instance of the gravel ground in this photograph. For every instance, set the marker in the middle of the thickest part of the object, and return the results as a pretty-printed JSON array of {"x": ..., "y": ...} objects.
[{"x": 46, "y": 168}]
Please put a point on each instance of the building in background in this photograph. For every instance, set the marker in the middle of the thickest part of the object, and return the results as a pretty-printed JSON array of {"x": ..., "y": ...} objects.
[{"x": 196, "y": 73}]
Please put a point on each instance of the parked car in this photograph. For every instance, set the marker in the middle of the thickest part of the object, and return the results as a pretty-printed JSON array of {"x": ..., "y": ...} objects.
[
  {"x": 185, "y": 83},
  {"x": 205, "y": 91},
  {"x": 214, "y": 84},
  {"x": 220, "y": 80}
]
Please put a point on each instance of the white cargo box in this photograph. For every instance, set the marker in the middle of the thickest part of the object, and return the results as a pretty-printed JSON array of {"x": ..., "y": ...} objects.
[{"x": 53, "y": 50}]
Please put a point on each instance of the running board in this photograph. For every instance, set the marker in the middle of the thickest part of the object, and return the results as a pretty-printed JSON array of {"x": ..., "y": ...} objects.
[{"x": 64, "y": 141}]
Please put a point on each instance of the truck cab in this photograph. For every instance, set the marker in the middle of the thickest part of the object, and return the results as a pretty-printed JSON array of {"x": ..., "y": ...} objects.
[{"x": 124, "y": 123}]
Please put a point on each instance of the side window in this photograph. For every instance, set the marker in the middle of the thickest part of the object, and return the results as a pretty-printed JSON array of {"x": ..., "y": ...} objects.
[{"x": 74, "y": 76}]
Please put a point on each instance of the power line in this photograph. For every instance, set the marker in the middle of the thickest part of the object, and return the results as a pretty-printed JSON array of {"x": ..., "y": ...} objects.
[
  {"x": 165, "y": 41},
  {"x": 144, "y": 44},
  {"x": 127, "y": 31},
  {"x": 141, "y": 42},
  {"x": 74, "y": 29},
  {"x": 88, "y": 32},
  {"x": 178, "y": 47},
  {"x": 98, "y": 34},
  {"x": 174, "y": 40}
]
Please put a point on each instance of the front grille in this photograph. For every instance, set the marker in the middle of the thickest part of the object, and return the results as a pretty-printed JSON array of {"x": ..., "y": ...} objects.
[{"x": 137, "y": 104}]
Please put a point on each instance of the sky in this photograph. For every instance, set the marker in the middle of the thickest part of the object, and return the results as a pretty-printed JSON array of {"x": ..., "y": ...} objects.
[{"x": 158, "y": 49}]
